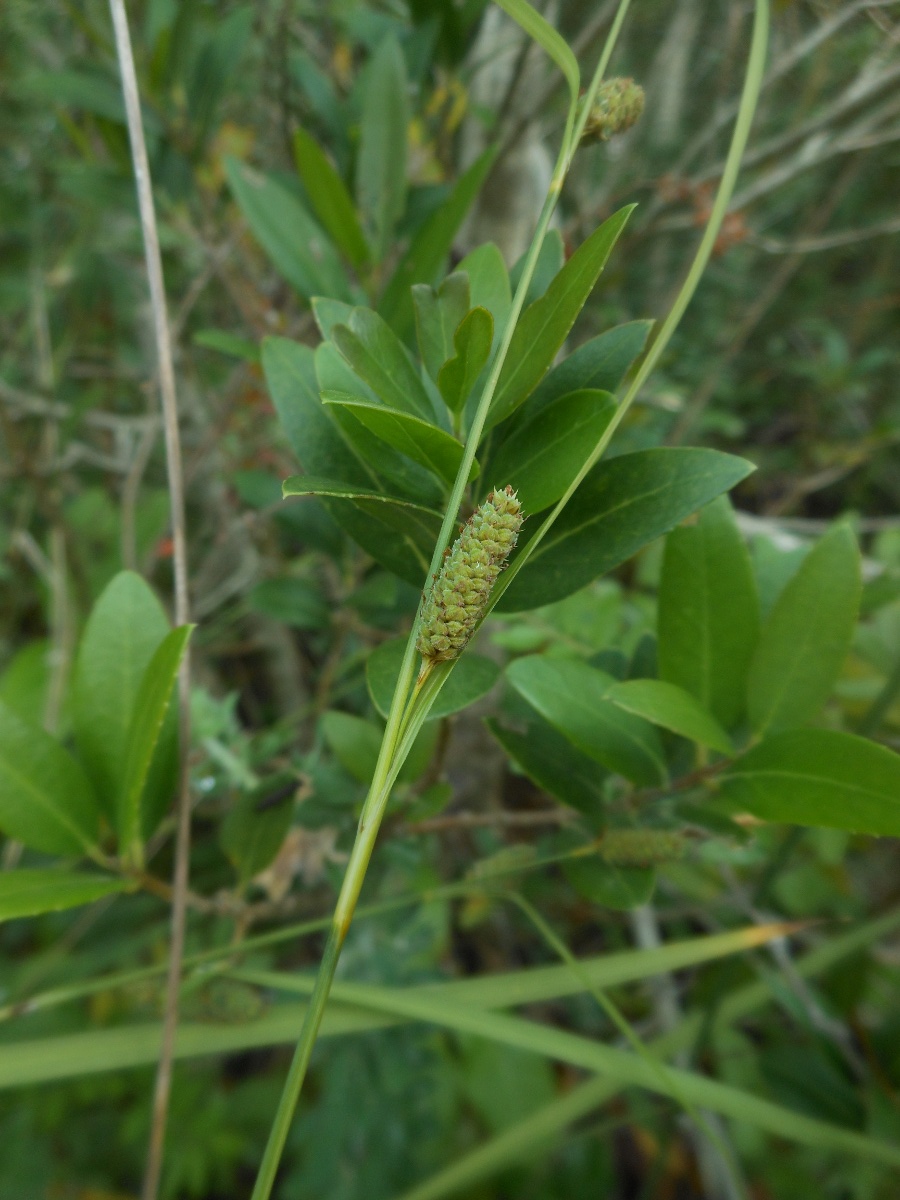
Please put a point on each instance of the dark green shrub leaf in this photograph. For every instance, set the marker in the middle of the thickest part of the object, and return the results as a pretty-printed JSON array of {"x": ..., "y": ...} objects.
[
  {"x": 609, "y": 885},
  {"x": 489, "y": 285},
  {"x": 292, "y": 601},
  {"x": 550, "y": 261},
  {"x": 708, "y": 612},
  {"x": 46, "y": 800},
  {"x": 381, "y": 161},
  {"x": 573, "y": 697},
  {"x": 673, "y": 708},
  {"x": 544, "y": 326},
  {"x": 138, "y": 811},
  {"x": 428, "y": 251},
  {"x": 354, "y": 742},
  {"x": 125, "y": 627},
  {"x": 541, "y": 457},
  {"x": 254, "y": 830},
  {"x": 623, "y": 504},
  {"x": 426, "y": 444},
  {"x": 438, "y": 315},
  {"x": 23, "y": 684},
  {"x": 30, "y": 891},
  {"x": 329, "y": 198},
  {"x": 472, "y": 343},
  {"x": 806, "y": 638},
  {"x": 379, "y": 358},
  {"x": 818, "y": 777},
  {"x": 296, "y": 244}
]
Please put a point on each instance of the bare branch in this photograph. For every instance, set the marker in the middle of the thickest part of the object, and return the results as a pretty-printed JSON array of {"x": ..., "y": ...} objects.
[{"x": 166, "y": 371}]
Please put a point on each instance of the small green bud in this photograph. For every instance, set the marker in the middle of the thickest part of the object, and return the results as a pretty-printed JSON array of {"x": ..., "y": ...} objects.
[
  {"x": 618, "y": 105},
  {"x": 641, "y": 847},
  {"x": 461, "y": 589}
]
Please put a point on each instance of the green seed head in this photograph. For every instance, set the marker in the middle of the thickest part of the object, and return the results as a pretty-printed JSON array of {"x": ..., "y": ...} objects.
[
  {"x": 457, "y": 601},
  {"x": 618, "y": 105}
]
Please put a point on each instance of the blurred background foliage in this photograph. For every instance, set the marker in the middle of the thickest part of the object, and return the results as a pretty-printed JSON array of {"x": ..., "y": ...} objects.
[{"x": 789, "y": 356}]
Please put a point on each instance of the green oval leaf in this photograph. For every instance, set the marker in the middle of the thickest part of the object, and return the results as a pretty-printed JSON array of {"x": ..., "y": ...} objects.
[
  {"x": 542, "y": 457},
  {"x": 673, "y": 708},
  {"x": 297, "y": 245},
  {"x": 472, "y": 677},
  {"x": 818, "y": 777},
  {"x": 438, "y": 314},
  {"x": 472, "y": 343},
  {"x": 573, "y": 697},
  {"x": 31, "y": 891},
  {"x": 419, "y": 440},
  {"x": 623, "y": 504},
  {"x": 708, "y": 612},
  {"x": 611, "y": 886},
  {"x": 329, "y": 198},
  {"x": 381, "y": 161},
  {"x": 805, "y": 640},
  {"x": 134, "y": 818},
  {"x": 46, "y": 799},
  {"x": 126, "y": 625}
]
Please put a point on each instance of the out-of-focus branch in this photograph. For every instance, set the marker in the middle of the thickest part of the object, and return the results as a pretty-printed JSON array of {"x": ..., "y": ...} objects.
[{"x": 166, "y": 373}]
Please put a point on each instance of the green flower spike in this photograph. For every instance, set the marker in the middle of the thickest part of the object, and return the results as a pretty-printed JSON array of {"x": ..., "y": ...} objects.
[
  {"x": 457, "y": 601},
  {"x": 618, "y": 105}
]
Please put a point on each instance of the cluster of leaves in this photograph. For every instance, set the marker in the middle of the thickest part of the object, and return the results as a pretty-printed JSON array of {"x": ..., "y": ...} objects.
[{"x": 702, "y": 679}]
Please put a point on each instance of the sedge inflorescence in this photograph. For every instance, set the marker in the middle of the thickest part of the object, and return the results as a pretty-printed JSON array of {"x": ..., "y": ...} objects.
[
  {"x": 457, "y": 601},
  {"x": 618, "y": 106}
]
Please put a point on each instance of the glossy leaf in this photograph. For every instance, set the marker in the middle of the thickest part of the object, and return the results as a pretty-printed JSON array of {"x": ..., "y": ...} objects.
[
  {"x": 297, "y": 245},
  {"x": 329, "y": 198},
  {"x": 805, "y": 640},
  {"x": 542, "y": 457},
  {"x": 708, "y": 612},
  {"x": 472, "y": 677},
  {"x": 545, "y": 325},
  {"x": 381, "y": 161},
  {"x": 421, "y": 441},
  {"x": 354, "y": 742},
  {"x": 599, "y": 364},
  {"x": 123, "y": 631},
  {"x": 550, "y": 261},
  {"x": 818, "y": 777},
  {"x": 538, "y": 28},
  {"x": 378, "y": 356},
  {"x": 438, "y": 314},
  {"x": 138, "y": 812},
  {"x": 472, "y": 343},
  {"x": 431, "y": 245},
  {"x": 673, "y": 708},
  {"x": 573, "y": 697},
  {"x": 46, "y": 799},
  {"x": 329, "y": 312},
  {"x": 551, "y": 761},
  {"x": 623, "y": 504},
  {"x": 316, "y": 485},
  {"x": 32, "y": 890}
]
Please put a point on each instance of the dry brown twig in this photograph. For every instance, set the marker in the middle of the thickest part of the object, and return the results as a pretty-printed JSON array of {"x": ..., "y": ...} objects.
[{"x": 166, "y": 375}]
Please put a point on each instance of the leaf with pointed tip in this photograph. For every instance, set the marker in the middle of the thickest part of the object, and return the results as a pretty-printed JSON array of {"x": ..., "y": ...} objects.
[
  {"x": 379, "y": 358},
  {"x": 329, "y": 312},
  {"x": 709, "y": 611},
  {"x": 438, "y": 314},
  {"x": 298, "y": 247},
  {"x": 381, "y": 161},
  {"x": 545, "y": 325},
  {"x": 138, "y": 813},
  {"x": 421, "y": 441},
  {"x": 573, "y": 697},
  {"x": 673, "y": 708},
  {"x": 472, "y": 343},
  {"x": 329, "y": 198},
  {"x": 489, "y": 285},
  {"x": 805, "y": 640},
  {"x": 541, "y": 457},
  {"x": 623, "y": 504}
]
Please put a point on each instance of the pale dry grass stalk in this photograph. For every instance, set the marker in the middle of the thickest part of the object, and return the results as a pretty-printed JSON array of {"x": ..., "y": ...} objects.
[{"x": 166, "y": 374}]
